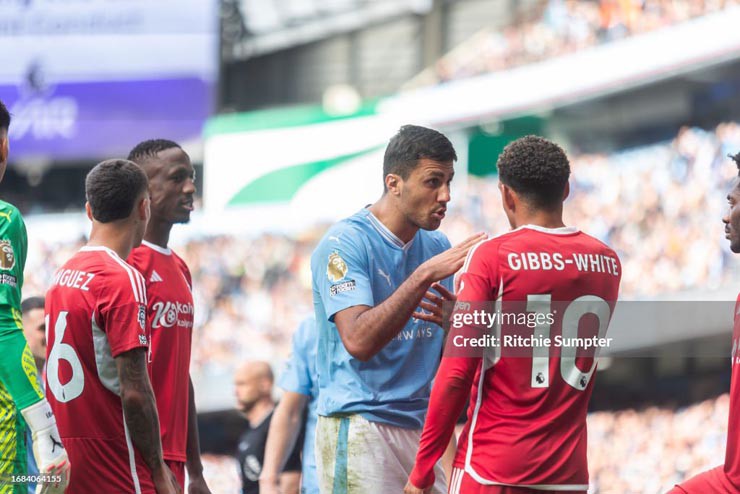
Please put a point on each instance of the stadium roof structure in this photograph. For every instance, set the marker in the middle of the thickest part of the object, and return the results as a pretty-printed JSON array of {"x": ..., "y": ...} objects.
[{"x": 273, "y": 25}]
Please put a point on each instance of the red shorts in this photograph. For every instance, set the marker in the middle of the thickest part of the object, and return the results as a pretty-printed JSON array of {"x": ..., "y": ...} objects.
[
  {"x": 105, "y": 466},
  {"x": 712, "y": 481},
  {"x": 178, "y": 468},
  {"x": 462, "y": 483}
]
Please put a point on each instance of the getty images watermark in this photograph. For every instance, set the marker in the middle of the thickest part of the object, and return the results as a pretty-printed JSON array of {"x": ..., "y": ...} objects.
[
  {"x": 483, "y": 319},
  {"x": 518, "y": 328}
]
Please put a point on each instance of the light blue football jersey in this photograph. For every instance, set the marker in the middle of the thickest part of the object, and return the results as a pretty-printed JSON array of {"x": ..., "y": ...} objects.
[
  {"x": 360, "y": 262},
  {"x": 299, "y": 376}
]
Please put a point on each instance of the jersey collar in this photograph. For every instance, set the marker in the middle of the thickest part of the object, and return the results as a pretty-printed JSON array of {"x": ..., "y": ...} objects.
[
  {"x": 98, "y": 248},
  {"x": 156, "y": 248},
  {"x": 563, "y": 230},
  {"x": 387, "y": 234}
]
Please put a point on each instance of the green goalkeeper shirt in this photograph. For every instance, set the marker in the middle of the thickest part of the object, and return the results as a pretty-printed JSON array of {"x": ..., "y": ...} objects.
[
  {"x": 13, "y": 250},
  {"x": 17, "y": 368}
]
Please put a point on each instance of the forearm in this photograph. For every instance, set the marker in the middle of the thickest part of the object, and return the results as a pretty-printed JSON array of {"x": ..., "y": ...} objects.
[
  {"x": 449, "y": 395},
  {"x": 142, "y": 421},
  {"x": 290, "y": 482},
  {"x": 18, "y": 371},
  {"x": 139, "y": 407},
  {"x": 281, "y": 438},
  {"x": 193, "y": 464},
  {"x": 376, "y": 327}
]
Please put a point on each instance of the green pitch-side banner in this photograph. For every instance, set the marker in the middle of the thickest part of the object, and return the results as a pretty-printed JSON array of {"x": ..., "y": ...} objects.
[{"x": 299, "y": 156}]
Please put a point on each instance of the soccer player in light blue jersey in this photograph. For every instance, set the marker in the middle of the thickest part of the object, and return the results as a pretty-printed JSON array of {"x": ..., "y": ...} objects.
[
  {"x": 301, "y": 390},
  {"x": 377, "y": 355}
]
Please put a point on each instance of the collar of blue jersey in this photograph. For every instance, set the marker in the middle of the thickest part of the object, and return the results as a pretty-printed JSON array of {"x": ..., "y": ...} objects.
[
  {"x": 387, "y": 234},
  {"x": 563, "y": 230}
]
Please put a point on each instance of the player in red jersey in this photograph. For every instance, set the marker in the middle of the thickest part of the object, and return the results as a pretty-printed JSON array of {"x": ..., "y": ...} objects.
[
  {"x": 526, "y": 427},
  {"x": 726, "y": 478},
  {"x": 170, "y": 303},
  {"x": 97, "y": 382}
]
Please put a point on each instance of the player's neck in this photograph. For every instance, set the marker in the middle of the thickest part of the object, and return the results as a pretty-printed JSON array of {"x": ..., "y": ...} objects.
[
  {"x": 158, "y": 233},
  {"x": 114, "y": 236},
  {"x": 544, "y": 219},
  {"x": 259, "y": 411},
  {"x": 391, "y": 217}
]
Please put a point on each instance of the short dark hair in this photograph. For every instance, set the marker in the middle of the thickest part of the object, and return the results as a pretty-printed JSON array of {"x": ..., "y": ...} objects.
[
  {"x": 4, "y": 117},
  {"x": 149, "y": 149},
  {"x": 736, "y": 159},
  {"x": 535, "y": 168},
  {"x": 112, "y": 188},
  {"x": 412, "y": 143},
  {"x": 32, "y": 303}
]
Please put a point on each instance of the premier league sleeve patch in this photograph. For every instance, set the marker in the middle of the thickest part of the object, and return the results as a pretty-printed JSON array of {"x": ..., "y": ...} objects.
[
  {"x": 142, "y": 317},
  {"x": 336, "y": 271},
  {"x": 7, "y": 256}
]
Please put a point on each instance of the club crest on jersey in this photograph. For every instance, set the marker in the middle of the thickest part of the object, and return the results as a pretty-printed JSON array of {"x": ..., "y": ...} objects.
[
  {"x": 336, "y": 270},
  {"x": 142, "y": 316},
  {"x": 7, "y": 256}
]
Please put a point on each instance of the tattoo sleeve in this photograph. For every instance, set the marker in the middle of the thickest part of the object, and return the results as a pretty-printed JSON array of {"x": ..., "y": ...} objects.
[{"x": 139, "y": 406}]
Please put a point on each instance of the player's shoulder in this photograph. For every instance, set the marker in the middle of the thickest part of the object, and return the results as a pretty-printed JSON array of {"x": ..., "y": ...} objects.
[
  {"x": 113, "y": 268},
  {"x": 346, "y": 234},
  {"x": 9, "y": 215},
  {"x": 8, "y": 208},
  {"x": 596, "y": 245},
  {"x": 180, "y": 262}
]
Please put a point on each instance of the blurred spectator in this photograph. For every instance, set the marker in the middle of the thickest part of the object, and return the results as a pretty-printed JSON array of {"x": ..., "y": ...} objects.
[{"x": 559, "y": 27}]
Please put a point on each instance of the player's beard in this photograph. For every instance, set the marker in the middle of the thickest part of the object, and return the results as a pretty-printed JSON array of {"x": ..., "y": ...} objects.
[{"x": 247, "y": 406}]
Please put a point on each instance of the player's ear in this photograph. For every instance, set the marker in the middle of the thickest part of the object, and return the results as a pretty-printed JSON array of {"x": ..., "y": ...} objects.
[
  {"x": 566, "y": 192},
  {"x": 4, "y": 152},
  {"x": 508, "y": 197},
  {"x": 143, "y": 208},
  {"x": 4, "y": 146},
  {"x": 392, "y": 182},
  {"x": 88, "y": 211}
]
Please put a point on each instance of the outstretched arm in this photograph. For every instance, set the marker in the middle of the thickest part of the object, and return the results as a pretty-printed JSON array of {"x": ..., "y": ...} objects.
[{"x": 366, "y": 330}]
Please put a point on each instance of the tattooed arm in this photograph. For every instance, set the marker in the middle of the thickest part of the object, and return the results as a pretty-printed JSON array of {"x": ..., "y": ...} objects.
[{"x": 140, "y": 413}]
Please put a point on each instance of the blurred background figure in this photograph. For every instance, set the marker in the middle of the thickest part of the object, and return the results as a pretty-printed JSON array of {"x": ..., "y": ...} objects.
[
  {"x": 295, "y": 415},
  {"x": 34, "y": 327},
  {"x": 253, "y": 383}
]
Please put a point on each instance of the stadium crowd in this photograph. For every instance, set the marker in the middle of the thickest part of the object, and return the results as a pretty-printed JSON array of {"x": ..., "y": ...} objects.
[
  {"x": 657, "y": 206},
  {"x": 558, "y": 28}
]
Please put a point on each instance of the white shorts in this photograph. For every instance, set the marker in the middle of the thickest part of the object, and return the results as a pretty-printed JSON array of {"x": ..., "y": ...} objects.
[{"x": 356, "y": 456}]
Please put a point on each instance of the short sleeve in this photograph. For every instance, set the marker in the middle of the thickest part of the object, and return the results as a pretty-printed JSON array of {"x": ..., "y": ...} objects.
[
  {"x": 341, "y": 274},
  {"x": 296, "y": 375},
  {"x": 449, "y": 282},
  {"x": 122, "y": 310},
  {"x": 479, "y": 278}
]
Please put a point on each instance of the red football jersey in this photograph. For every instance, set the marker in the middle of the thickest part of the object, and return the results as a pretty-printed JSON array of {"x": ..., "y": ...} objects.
[
  {"x": 95, "y": 311},
  {"x": 527, "y": 416},
  {"x": 732, "y": 454},
  {"x": 170, "y": 317}
]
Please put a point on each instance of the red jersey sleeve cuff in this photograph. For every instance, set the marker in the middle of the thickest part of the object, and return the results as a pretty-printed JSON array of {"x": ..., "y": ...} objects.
[{"x": 420, "y": 479}]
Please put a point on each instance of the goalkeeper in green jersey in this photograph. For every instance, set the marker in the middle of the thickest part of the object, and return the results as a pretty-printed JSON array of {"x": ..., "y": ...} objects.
[{"x": 21, "y": 399}]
